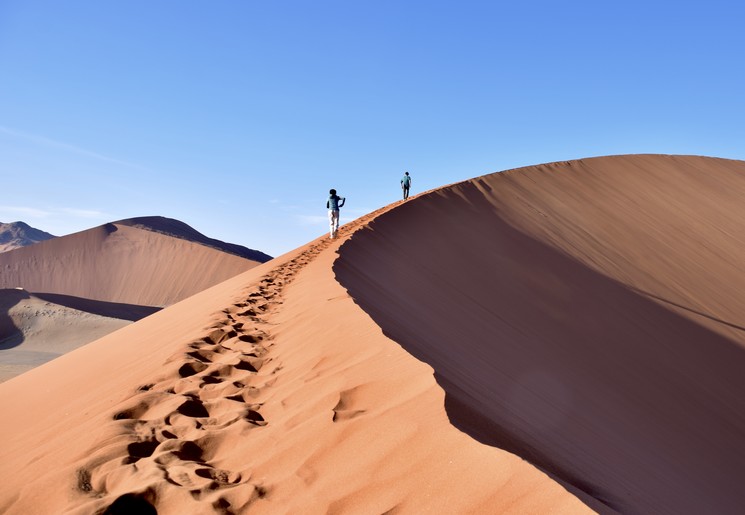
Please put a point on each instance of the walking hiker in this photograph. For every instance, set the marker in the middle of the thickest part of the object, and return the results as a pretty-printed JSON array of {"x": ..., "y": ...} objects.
[
  {"x": 333, "y": 205},
  {"x": 405, "y": 184}
]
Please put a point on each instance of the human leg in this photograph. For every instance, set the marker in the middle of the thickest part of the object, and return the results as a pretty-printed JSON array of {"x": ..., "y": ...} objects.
[{"x": 333, "y": 222}]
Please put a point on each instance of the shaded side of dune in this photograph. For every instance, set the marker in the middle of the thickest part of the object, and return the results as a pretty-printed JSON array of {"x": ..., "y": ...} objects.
[
  {"x": 118, "y": 310},
  {"x": 10, "y": 333},
  {"x": 35, "y": 329},
  {"x": 631, "y": 405}
]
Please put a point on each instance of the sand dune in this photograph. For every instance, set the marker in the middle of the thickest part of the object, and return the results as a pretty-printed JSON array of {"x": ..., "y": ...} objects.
[
  {"x": 103, "y": 278},
  {"x": 34, "y": 331},
  {"x": 119, "y": 263},
  {"x": 578, "y": 315},
  {"x": 586, "y": 315},
  {"x": 179, "y": 229},
  {"x": 269, "y": 393}
]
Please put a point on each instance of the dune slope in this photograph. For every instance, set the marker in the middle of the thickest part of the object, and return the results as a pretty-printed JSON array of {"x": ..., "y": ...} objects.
[
  {"x": 586, "y": 315},
  {"x": 119, "y": 263},
  {"x": 34, "y": 331},
  {"x": 179, "y": 229},
  {"x": 271, "y": 392}
]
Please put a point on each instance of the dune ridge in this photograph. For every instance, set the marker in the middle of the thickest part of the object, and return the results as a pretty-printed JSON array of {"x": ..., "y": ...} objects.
[
  {"x": 119, "y": 263},
  {"x": 179, "y": 229},
  {"x": 268, "y": 393},
  {"x": 586, "y": 315}
]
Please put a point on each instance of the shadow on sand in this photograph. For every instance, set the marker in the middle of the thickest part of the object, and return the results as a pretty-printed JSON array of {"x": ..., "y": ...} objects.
[
  {"x": 632, "y": 407},
  {"x": 10, "y": 334},
  {"x": 120, "y": 310}
]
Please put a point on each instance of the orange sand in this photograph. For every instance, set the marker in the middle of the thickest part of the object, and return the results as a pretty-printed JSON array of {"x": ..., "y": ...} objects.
[
  {"x": 269, "y": 393},
  {"x": 119, "y": 263},
  {"x": 584, "y": 315}
]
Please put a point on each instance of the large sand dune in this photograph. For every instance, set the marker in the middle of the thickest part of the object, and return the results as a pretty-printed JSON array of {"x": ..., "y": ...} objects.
[
  {"x": 120, "y": 263},
  {"x": 580, "y": 315},
  {"x": 34, "y": 330},
  {"x": 179, "y": 229},
  {"x": 269, "y": 393},
  {"x": 588, "y": 315}
]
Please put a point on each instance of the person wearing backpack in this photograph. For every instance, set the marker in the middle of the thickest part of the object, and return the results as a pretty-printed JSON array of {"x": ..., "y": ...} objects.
[
  {"x": 333, "y": 204},
  {"x": 405, "y": 184}
]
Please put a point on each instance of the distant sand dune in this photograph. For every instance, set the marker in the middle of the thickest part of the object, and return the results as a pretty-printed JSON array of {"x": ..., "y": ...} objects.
[
  {"x": 585, "y": 315},
  {"x": 119, "y": 263},
  {"x": 34, "y": 330},
  {"x": 179, "y": 229}
]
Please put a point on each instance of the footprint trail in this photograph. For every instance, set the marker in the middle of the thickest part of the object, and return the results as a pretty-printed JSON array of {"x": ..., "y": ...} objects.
[{"x": 166, "y": 437}]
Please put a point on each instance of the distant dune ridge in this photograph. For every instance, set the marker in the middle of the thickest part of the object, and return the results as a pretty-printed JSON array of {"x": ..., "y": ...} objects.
[
  {"x": 585, "y": 316},
  {"x": 19, "y": 234},
  {"x": 146, "y": 261},
  {"x": 90, "y": 283},
  {"x": 178, "y": 229}
]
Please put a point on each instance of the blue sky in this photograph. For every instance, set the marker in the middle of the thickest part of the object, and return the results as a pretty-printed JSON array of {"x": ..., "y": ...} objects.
[{"x": 236, "y": 117}]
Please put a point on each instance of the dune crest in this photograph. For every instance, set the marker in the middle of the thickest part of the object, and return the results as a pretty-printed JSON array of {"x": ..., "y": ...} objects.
[
  {"x": 586, "y": 315},
  {"x": 270, "y": 392},
  {"x": 119, "y": 263}
]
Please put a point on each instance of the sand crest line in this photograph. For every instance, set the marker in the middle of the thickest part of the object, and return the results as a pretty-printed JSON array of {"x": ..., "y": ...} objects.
[{"x": 173, "y": 427}]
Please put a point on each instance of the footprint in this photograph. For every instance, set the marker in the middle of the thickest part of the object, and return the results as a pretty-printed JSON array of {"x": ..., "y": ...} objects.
[
  {"x": 173, "y": 451},
  {"x": 138, "y": 450},
  {"x": 249, "y": 365},
  {"x": 224, "y": 477},
  {"x": 191, "y": 367},
  {"x": 348, "y": 406},
  {"x": 218, "y": 336},
  {"x": 193, "y": 408}
]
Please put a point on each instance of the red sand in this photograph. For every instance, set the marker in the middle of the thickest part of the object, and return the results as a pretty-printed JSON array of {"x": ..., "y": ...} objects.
[
  {"x": 34, "y": 330},
  {"x": 580, "y": 314},
  {"x": 585, "y": 315},
  {"x": 118, "y": 263},
  {"x": 269, "y": 393}
]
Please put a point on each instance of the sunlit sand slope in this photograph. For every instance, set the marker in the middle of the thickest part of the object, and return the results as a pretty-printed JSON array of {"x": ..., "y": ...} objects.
[
  {"x": 269, "y": 393},
  {"x": 119, "y": 263},
  {"x": 586, "y": 315}
]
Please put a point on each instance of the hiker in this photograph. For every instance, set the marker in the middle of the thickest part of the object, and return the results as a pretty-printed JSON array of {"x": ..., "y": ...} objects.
[
  {"x": 333, "y": 206},
  {"x": 405, "y": 184}
]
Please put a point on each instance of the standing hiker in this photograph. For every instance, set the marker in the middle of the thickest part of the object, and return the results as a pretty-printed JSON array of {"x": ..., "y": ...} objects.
[
  {"x": 333, "y": 206},
  {"x": 405, "y": 184}
]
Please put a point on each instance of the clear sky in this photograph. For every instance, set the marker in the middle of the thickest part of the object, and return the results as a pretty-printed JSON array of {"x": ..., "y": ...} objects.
[{"x": 236, "y": 117}]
